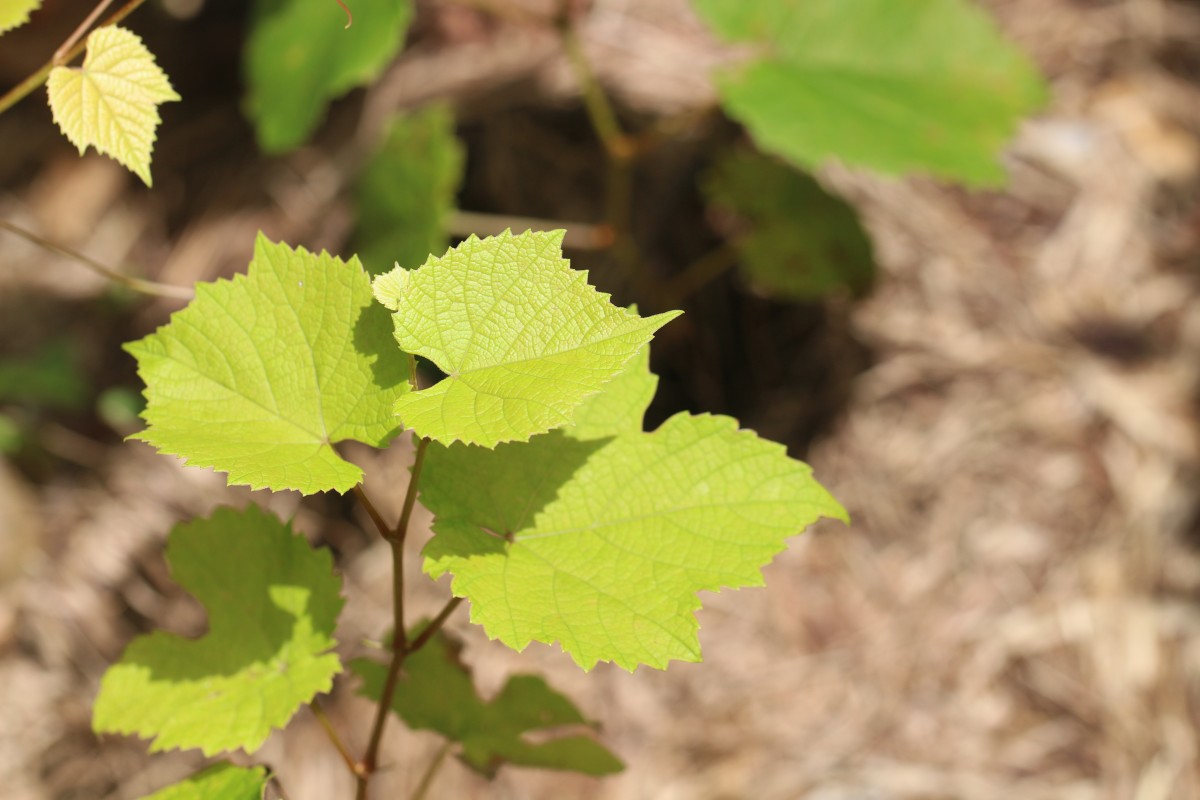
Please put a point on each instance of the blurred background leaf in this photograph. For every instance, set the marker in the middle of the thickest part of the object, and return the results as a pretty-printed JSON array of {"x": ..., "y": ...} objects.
[
  {"x": 795, "y": 240},
  {"x": 406, "y": 191}
]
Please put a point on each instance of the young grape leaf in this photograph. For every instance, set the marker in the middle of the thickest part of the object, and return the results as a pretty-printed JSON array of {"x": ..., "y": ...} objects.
[
  {"x": 15, "y": 13},
  {"x": 922, "y": 85},
  {"x": 407, "y": 190},
  {"x": 435, "y": 693},
  {"x": 300, "y": 55},
  {"x": 259, "y": 376},
  {"x": 603, "y": 544},
  {"x": 218, "y": 782},
  {"x": 272, "y": 604},
  {"x": 521, "y": 336},
  {"x": 111, "y": 102},
  {"x": 800, "y": 241}
]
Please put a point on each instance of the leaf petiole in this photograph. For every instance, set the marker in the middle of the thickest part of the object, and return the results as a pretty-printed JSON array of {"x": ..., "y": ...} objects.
[
  {"x": 61, "y": 54},
  {"x": 27, "y": 86}
]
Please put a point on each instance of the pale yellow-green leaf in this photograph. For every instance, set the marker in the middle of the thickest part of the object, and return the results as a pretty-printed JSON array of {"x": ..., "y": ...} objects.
[
  {"x": 111, "y": 102},
  {"x": 15, "y": 13}
]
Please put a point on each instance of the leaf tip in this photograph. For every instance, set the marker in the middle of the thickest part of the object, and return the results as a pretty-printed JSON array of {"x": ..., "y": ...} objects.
[{"x": 389, "y": 287}]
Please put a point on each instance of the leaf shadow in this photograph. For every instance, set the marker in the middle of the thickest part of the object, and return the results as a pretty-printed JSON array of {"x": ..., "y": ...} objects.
[
  {"x": 229, "y": 647},
  {"x": 373, "y": 339},
  {"x": 261, "y": 614},
  {"x": 481, "y": 498}
]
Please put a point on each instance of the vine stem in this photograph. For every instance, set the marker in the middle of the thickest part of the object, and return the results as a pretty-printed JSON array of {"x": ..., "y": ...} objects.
[
  {"x": 410, "y": 497},
  {"x": 27, "y": 86},
  {"x": 372, "y": 512},
  {"x": 153, "y": 288},
  {"x": 365, "y": 768},
  {"x": 435, "y": 625},
  {"x": 401, "y": 647}
]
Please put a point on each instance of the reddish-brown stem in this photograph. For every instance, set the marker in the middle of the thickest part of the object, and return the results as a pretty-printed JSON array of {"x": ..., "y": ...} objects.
[
  {"x": 374, "y": 514},
  {"x": 400, "y": 645},
  {"x": 410, "y": 497},
  {"x": 349, "y": 16},
  {"x": 364, "y": 769},
  {"x": 436, "y": 625},
  {"x": 399, "y": 637}
]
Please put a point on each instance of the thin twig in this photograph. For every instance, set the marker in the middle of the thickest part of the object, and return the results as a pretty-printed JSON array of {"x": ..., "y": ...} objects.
[
  {"x": 399, "y": 637},
  {"x": 153, "y": 288},
  {"x": 59, "y": 57},
  {"x": 332, "y": 733},
  {"x": 431, "y": 772},
  {"x": 400, "y": 653},
  {"x": 384, "y": 530},
  {"x": 434, "y": 626},
  {"x": 410, "y": 497},
  {"x": 370, "y": 761},
  {"x": 27, "y": 86}
]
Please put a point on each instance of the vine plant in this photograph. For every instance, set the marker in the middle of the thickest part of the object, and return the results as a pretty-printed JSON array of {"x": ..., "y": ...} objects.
[{"x": 558, "y": 518}]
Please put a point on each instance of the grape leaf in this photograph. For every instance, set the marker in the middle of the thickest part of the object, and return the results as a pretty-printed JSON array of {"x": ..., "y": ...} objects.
[
  {"x": 602, "y": 544},
  {"x": 272, "y": 604},
  {"x": 407, "y": 190},
  {"x": 922, "y": 85},
  {"x": 435, "y": 693},
  {"x": 620, "y": 406},
  {"x": 799, "y": 241},
  {"x": 15, "y": 13},
  {"x": 300, "y": 55},
  {"x": 522, "y": 338},
  {"x": 260, "y": 375},
  {"x": 111, "y": 102},
  {"x": 218, "y": 782}
]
